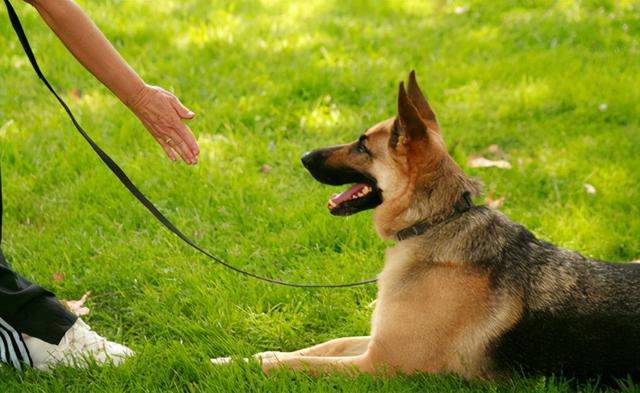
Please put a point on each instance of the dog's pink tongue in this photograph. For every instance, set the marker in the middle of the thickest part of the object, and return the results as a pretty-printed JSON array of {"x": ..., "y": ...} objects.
[{"x": 346, "y": 195}]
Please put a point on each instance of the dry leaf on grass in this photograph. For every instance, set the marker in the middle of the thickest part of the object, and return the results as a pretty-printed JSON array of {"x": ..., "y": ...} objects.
[
  {"x": 58, "y": 276},
  {"x": 266, "y": 168},
  {"x": 590, "y": 189},
  {"x": 495, "y": 203},
  {"x": 77, "y": 306},
  {"x": 495, "y": 149},
  {"x": 482, "y": 162},
  {"x": 76, "y": 93}
]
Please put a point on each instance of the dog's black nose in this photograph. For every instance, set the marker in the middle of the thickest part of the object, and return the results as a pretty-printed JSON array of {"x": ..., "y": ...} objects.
[
  {"x": 314, "y": 159},
  {"x": 307, "y": 159}
]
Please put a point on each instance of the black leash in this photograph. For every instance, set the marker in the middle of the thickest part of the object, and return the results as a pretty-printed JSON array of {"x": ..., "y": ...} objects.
[{"x": 124, "y": 179}]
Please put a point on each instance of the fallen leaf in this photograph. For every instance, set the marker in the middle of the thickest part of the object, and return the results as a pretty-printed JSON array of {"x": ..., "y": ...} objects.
[
  {"x": 498, "y": 203},
  {"x": 495, "y": 149},
  {"x": 76, "y": 93},
  {"x": 590, "y": 189},
  {"x": 495, "y": 203},
  {"x": 482, "y": 162},
  {"x": 77, "y": 306},
  {"x": 58, "y": 276},
  {"x": 266, "y": 168},
  {"x": 495, "y": 152}
]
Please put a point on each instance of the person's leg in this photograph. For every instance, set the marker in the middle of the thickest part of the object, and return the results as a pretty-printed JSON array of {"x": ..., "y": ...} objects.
[
  {"x": 30, "y": 309},
  {"x": 26, "y": 308},
  {"x": 36, "y": 329}
]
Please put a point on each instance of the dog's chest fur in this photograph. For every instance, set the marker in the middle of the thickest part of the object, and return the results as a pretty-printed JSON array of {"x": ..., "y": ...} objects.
[{"x": 437, "y": 317}]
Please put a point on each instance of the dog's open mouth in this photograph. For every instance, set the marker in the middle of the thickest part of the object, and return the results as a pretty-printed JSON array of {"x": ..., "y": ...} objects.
[{"x": 360, "y": 196}]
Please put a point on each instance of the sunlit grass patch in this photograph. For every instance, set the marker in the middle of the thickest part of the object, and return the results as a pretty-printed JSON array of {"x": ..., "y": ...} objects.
[{"x": 552, "y": 84}]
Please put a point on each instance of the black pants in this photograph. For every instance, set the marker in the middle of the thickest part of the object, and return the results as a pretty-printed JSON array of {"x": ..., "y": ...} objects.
[{"x": 27, "y": 307}]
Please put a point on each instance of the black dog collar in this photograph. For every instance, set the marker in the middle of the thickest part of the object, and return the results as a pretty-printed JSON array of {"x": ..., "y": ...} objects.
[{"x": 465, "y": 203}]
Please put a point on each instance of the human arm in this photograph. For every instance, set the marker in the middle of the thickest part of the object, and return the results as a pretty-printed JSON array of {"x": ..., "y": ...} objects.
[{"x": 158, "y": 110}]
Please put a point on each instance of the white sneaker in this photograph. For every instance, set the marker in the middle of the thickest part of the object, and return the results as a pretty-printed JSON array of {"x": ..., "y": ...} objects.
[{"x": 79, "y": 347}]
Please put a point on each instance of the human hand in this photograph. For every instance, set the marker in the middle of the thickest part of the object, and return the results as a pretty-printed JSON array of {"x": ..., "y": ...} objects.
[{"x": 162, "y": 113}]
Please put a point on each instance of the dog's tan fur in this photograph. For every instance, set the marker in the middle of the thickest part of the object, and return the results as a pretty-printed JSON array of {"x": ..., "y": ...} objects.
[
  {"x": 453, "y": 314},
  {"x": 476, "y": 295},
  {"x": 453, "y": 317}
]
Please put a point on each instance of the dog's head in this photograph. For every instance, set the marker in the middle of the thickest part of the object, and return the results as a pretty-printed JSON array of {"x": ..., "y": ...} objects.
[{"x": 400, "y": 167}]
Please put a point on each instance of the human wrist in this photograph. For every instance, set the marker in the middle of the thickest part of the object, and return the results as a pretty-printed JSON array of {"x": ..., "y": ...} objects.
[{"x": 135, "y": 95}]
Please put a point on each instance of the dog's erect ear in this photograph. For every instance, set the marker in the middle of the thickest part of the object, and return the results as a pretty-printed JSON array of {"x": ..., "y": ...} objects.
[
  {"x": 420, "y": 102},
  {"x": 408, "y": 125}
]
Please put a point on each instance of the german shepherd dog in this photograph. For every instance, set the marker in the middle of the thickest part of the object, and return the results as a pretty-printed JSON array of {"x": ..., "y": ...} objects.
[{"x": 464, "y": 290}]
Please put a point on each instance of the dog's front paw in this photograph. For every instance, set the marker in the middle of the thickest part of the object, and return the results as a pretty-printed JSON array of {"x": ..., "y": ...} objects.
[
  {"x": 227, "y": 360},
  {"x": 218, "y": 361},
  {"x": 262, "y": 357}
]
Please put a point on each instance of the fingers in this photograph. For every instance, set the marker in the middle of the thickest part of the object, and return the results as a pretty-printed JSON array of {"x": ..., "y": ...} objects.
[
  {"x": 167, "y": 149},
  {"x": 162, "y": 114},
  {"x": 180, "y": 146},
  {"x": 182, "y": 129},
  {"x": 183, "y": 142},
  {"x": 186, "y": 144},
  {"x": 182, "y": 110},
  {"x": 174, "y": 146},
  {"x": 187, "y": 136},
  {"x": 172, "y": 143}
]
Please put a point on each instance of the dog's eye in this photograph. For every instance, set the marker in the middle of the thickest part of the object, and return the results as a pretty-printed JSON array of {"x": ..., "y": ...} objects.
[{"x": 361, "y": 149}]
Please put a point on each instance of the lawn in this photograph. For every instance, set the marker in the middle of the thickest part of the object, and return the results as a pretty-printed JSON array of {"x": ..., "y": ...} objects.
[{"x": 553, "y": 84}]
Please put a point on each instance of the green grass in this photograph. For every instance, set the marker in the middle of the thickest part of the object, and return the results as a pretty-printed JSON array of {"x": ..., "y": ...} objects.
[{"x": 270, "y": 80}]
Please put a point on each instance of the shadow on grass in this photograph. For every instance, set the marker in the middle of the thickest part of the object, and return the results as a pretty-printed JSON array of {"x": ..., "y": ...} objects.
[{"x": 271, "y": 80}]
